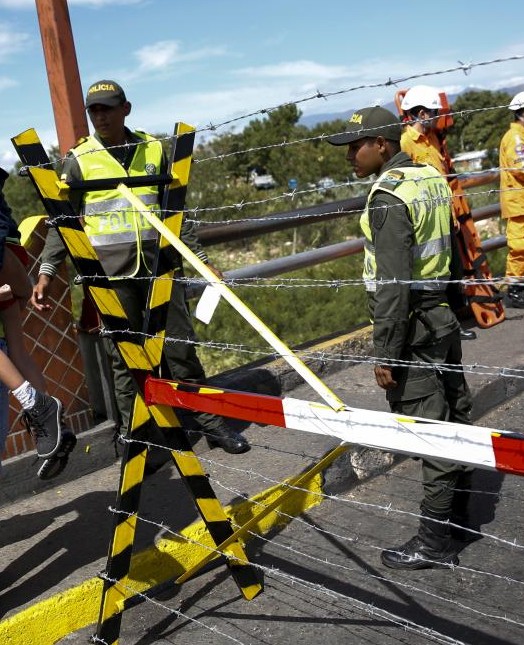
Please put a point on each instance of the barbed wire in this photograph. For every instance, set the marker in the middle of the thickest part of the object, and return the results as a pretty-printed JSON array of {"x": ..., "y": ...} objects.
[
  {"x": 321, "y": 137},
  {"x": 279, "y": 282},
  {"x": 267, "y": 480},
  {"x": 135, "y": 592},
  {"x": 325, "y": 561},
  {"x": 324, "y": 95},
  {"x": 294, "y": 194},
  {"x": 275, "y": 571},
  {"x": 464, "y": 67},
  {"x": 288, "y": 195},
  {"x": 325, "y": 356},
  {"x": 166, "y": 529}
]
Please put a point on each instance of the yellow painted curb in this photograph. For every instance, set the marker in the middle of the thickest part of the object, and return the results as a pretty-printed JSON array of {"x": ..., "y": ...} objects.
[{"x": 52, "y": 619}]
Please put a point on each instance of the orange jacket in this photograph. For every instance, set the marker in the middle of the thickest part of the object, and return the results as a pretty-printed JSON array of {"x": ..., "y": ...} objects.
[
  {"x": 426, "y": 148},
  {"x": 512, "y": 181},
  {"x": 423, "y": 148}
]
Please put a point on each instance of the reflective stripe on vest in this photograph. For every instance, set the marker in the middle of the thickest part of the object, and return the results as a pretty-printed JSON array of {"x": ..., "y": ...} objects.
[
  {"x": 427, "y": 196},
  {"x": 113, "y": 226}
]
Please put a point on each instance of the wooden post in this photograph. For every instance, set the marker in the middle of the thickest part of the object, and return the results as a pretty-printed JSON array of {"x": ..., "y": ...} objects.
[
  {"x": 71, "y": 124},
  {"x": 62, "y": 72}
]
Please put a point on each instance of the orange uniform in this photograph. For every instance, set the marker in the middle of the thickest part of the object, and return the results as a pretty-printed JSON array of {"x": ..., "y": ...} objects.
[
  {"x": 512, "y": 196},
  {"x": 426, "y": 148},
  {"x": 423, "y": 148}
]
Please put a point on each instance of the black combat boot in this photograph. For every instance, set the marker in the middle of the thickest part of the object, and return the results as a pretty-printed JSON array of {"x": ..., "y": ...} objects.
[
  {"x": 515, "y": 296},
  {"x": 226, "y": 438},
  {"x": 429, "y": 549},
  {"x": 468, "y": 530}
]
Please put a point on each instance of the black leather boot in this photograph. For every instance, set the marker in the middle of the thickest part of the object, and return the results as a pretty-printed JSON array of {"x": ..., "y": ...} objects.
[
  {"x": 515, "y": 296},
  {"x": 467, "y": 334},
  {"x": 429, "y": 549},
  {"x": 227, "y": 439},
  {"x": 467, "y": 530}
]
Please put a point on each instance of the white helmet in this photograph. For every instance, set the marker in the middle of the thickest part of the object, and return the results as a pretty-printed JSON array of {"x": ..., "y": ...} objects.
[
  {"x": 423, "y": 95},
  {"x": 517, "y": 102}
]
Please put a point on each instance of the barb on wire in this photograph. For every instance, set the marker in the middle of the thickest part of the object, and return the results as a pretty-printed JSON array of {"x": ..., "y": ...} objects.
[
  {"x": 213, "y": 127},
  {"x": 474, "y": 369}
]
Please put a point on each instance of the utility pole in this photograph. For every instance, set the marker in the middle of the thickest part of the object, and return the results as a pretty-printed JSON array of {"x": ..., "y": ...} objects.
[
  {"x": 62, "y": 72},
  {"x": 71, "y": 124}
]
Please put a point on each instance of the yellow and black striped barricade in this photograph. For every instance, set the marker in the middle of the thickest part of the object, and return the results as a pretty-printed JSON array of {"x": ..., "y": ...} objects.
[{"x": 142, "y": 357}]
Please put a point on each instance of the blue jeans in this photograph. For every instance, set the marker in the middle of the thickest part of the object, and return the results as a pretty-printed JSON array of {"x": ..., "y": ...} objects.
[{"x": 4, "y": 407}]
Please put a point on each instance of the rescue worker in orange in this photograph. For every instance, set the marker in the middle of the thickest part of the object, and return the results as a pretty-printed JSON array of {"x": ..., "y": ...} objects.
[
  {"x": 511, "y": 161},
  {"x": 420, "y": 142},
  {"x": 419, "y": 139}
]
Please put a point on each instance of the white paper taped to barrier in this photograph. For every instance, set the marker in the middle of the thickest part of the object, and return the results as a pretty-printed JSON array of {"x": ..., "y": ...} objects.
[{"x": 207, "y": 304}]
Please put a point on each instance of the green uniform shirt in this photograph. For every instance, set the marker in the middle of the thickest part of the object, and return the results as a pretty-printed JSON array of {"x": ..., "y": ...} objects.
[{"x": 391, "y": 304}]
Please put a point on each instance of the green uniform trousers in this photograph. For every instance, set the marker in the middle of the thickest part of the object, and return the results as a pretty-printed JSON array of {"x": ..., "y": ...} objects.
[
  {"x": 435, "y": 394},
  {"x": 179, "y": 359}
]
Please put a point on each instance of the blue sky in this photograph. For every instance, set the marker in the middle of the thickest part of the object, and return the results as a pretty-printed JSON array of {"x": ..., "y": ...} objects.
[{"x": 207, "y": 61}]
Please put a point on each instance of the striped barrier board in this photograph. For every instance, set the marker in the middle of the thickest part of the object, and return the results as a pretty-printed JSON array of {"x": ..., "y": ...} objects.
[
  {"x": 142, "y": 358},
  {"x": 486, "y": 448}
]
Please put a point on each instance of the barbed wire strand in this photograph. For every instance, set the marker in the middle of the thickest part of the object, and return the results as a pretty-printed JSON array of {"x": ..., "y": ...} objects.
[
  {"x": 166, "y": 529},
  {"x": 466, "y": 68},
  {"x": 387, "y": 508},
  {"x": 324, "y": 356},
  {"x": 322, "y": 589}
]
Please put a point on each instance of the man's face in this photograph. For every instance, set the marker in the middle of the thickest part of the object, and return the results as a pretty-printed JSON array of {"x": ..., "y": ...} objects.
[
  {"x": 108, "y": 121},
  {"x": 364, "y": 155}
]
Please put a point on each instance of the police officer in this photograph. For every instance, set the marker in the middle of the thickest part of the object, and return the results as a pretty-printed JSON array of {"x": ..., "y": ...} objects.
[
  {"x": 406, "y": 224},
  {"x": 511, "y": 161},
  {"x": 125, "y": 244}
]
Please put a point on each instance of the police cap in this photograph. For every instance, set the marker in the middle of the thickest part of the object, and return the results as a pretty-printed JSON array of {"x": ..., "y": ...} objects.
[
  {"x": 368, "y": 122},
  {"x": 105, "y": 93}
]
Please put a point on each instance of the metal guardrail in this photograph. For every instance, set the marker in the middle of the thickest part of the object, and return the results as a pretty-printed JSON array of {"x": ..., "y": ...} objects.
[
  {"x": 215, "y": 234},
  {"x": 218, "y": 233}
]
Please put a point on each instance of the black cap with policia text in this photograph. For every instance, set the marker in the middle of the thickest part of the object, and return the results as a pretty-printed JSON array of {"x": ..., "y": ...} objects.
[
  {"x": 368, "y": 122},
  {"x": 105, "y": 93}
]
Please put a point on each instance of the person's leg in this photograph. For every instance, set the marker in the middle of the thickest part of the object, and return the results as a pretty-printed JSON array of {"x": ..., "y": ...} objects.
[
  {"x": 515, "y": 261},
  {"x": 18, "y": 354},
  {"x": 425, "y": 395},
  {"x": 132, "y": 297},
  {"x": 21, "y": 375},
  {"x": 182, "y": 363},
  {"x": 460, "y": 402},
  {"x": 4, "y": 407}
]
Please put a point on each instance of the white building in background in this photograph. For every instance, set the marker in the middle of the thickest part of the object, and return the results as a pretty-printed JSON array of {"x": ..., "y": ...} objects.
[{"x": 469, "y": 160}]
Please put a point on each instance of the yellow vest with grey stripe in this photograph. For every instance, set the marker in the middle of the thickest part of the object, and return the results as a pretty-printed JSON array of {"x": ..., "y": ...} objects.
[
  {"x": 119, "y": 233},
  {"x": 428, "y": 197}
]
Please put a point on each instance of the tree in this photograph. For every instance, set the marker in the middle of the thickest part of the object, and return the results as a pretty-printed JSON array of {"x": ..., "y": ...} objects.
[
  {"x": 482, "y": 129},
  {"x": 21, "y": 196}
]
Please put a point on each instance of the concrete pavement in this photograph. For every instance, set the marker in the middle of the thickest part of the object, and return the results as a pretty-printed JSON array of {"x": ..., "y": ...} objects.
[{"x": 54, "y": 539}]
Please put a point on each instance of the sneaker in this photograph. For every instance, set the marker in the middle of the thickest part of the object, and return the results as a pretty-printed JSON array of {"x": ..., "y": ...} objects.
[
  {"x": 44, "y": 422},
  {"x": 53, "y": 466}
]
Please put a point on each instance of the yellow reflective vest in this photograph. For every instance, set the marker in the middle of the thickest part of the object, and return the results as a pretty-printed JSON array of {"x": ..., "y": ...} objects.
[
  {"x": 119, "y": 234},
  {"x": 428, "y": 197}
]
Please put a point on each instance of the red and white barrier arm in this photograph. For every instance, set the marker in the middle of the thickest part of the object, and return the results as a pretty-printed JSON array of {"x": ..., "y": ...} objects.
[{"x": 471, "y": 445}]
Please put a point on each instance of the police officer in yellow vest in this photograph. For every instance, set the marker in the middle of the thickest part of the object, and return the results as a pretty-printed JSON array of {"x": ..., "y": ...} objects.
[
  {"x": 125, "y": 244},
  {"x": 407, "y": 262}
]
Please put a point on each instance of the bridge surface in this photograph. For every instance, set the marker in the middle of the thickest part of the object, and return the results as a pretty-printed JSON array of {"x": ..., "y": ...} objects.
[{"x": 322, "y": 572}]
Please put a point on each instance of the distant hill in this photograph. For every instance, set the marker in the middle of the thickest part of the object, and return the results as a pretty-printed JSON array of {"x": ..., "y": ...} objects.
[{"x": 311, "y": 120}]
